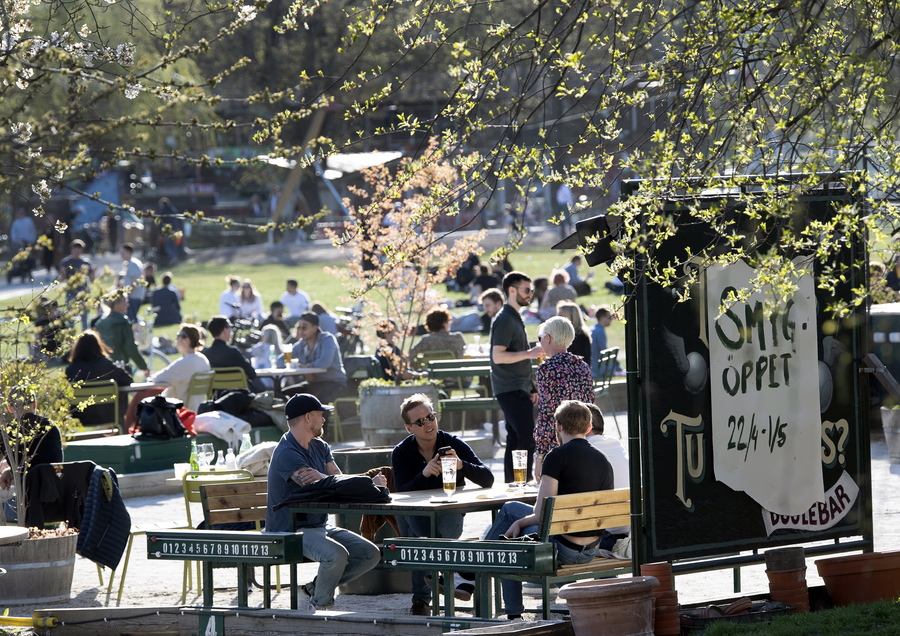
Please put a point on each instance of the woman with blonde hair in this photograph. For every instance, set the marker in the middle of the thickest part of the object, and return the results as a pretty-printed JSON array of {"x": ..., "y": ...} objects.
[
  {"x": 562, "y": 376},
  {"x": 251, "y": 304}
]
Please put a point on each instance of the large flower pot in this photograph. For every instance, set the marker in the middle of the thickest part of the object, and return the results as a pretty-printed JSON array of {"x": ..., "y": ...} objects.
[
  {"x": 379, "y": 412},
  {"x": 861, "y": 578},
  {"x": 890, "y": 422},
  {"x": 611, "y": 607},
  {"x": 38, "y": 570}
]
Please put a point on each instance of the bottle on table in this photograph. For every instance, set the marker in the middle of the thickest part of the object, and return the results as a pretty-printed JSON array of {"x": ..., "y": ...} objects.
[
  {"x": 246, "y": 444},
  {"x": 220, "y": 463},
  {"x": 230, "y": 459},
  {"x": 195, "y": 457}
]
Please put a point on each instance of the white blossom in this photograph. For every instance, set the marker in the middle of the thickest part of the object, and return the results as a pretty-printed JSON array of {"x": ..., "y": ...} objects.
[
  {"x": 132, "y": 91},
  {"x": 42, "y": 190},
  {"x": 246, "y": 13},
  {"x": 21, "y": 131},
  {"x": 125, "y": 54}
]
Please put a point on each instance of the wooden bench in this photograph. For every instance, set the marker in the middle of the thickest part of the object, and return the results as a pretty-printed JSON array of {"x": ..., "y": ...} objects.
[
  {"x": 235, "y": 502},
  {"x": 532, "y": 561}
]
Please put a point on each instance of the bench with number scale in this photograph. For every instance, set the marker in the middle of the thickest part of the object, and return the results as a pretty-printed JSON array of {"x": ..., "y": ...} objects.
[
  {"x": 523, "y": 560},
  {"x": 238, "y": 549}
]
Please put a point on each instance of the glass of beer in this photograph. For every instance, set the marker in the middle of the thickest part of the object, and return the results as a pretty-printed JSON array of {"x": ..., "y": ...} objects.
[
  {"x": 448, "y": 472},
  {"x": 520, "y": 465},
  {"x": 288, "y": 352}
]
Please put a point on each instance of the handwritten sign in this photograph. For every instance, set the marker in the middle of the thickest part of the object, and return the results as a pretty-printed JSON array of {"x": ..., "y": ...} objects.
[{"x": 764, "y": 386}]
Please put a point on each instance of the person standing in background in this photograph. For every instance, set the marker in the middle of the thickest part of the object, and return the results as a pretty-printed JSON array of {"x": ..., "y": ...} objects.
[
  {"x": 295, "y": 300},
  {"x": 131, "y": 276},
  {"x": 511, "y": 375}
]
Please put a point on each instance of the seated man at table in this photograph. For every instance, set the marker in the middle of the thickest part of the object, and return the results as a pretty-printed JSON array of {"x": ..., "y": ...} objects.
[
  {"x": 302, "y": 458},
  {"x": 318, "y": 349},
  {"x": 417, "y": 466},
  {"x": 573, "y": 466},
  {"x": 221, "y": 354}
]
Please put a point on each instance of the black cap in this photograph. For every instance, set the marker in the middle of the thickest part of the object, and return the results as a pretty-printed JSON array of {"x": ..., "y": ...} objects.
[{"x": 303, "y": 403}]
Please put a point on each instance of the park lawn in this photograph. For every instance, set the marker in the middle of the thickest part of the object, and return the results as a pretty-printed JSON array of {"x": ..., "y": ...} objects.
[
  {"x": 203, "y": 283},
  {"x": 874, "y": 619}
]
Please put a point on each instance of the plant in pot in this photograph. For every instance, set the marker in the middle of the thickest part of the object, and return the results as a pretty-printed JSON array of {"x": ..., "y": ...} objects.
[
  {"x": 396, "y": 258},
  {"x": 34, "y": 411}
]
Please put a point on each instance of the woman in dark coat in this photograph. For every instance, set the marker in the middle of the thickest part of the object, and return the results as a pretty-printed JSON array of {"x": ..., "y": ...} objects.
[{"x": 89, "y": 362}]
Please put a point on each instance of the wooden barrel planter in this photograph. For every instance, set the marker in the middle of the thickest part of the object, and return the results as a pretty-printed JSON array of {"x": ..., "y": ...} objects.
[
  {"x": 379, "y": 412},
  {"x": 38, "y": 570}
]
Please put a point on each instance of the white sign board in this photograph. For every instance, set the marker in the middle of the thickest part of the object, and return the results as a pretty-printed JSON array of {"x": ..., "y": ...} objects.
[{"x": 766, "y": 424}]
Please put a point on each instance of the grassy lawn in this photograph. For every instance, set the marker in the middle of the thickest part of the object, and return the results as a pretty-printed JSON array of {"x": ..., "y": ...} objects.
[
  {"x": 875, "y": 619},
  {"x": 203, "y": 283}
]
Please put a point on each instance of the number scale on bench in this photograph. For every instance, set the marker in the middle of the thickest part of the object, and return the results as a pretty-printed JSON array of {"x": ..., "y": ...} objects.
[
  {"x": 271, "y": 548},
  {"x": 488, "y": 556}
]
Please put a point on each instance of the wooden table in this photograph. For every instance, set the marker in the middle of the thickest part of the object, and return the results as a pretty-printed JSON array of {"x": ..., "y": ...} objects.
[
  {"x": 136, "y": 387},
  {"x": 426, "y": 503}
]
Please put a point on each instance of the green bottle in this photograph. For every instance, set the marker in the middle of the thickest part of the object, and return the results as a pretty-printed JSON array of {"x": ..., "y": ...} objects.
[{"x": 195, "y": 458}]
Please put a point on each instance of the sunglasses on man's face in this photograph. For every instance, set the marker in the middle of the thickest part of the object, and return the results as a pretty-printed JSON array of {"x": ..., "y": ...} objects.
[{"x": 422, "y": 421}]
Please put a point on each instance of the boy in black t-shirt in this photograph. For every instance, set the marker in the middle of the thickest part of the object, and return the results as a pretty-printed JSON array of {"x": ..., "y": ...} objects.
[{"x": 574, "y": 466}]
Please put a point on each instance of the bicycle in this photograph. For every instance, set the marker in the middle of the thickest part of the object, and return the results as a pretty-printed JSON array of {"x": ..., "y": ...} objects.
[{"x": 349, "y": 325}]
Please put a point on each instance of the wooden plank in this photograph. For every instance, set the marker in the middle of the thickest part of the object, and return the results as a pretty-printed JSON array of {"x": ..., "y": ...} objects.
[
  {"x": 591, "y": 512},
  {"x": 220, "y": 502},
  {"x": 236, "y": 516},
  {"x": 593, "y": 498},
  {"x": 589, "y": 524},
  {"x": 171, "y": 621},
  {"x": 236, "y": 488}
]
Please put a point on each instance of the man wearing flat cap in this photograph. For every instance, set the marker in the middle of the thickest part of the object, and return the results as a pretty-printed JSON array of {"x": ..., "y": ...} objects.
[{"x": 302, "y": 458}]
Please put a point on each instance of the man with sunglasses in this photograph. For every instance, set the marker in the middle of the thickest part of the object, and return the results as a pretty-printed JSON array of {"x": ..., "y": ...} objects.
[
  {"x": 417, "y": 466},
  {"x": 511, "y": 375}
]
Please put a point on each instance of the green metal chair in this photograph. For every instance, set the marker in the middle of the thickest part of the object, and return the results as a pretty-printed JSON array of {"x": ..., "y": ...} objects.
[
  {"x": 100, "y": 392},
  {"x": 606, "y": 366}
]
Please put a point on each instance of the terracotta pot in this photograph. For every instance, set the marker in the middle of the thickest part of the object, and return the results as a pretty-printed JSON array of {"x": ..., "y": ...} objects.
[
  {"x": 791, "y": 558},
  {"x": 786, "y": 579},
  {"x": 861, "y": 578},
  {"x": 611, "y": 607},
  {"x": 798, "y": 599},
  {"x": 662, "y": 572}
]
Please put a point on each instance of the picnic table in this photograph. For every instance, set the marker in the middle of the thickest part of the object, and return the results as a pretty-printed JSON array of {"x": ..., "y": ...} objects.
[{"x": 431, "y": 504}]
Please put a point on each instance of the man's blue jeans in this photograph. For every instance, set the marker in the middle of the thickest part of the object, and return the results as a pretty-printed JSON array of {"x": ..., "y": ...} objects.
[
  {"x": 342, "y": 556},
  {"x": 448, "y": 527},
  {"x": 512, "y": 590}
]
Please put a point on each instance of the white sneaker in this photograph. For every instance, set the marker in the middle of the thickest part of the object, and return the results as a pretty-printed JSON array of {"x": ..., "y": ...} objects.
[{"x": 305, "y": 593}]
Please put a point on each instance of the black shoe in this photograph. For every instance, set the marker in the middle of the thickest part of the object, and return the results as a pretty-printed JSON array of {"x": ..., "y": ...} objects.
[{"x": 420, "y": 607}]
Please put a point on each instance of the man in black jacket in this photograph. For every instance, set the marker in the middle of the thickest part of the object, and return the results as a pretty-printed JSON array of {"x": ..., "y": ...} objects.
[
  {"x": 417, "y": 466},
  {"x": 221, "y": 354}
]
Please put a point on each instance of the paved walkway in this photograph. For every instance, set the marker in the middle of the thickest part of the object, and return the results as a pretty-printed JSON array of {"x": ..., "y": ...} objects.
[{"x": 154, "y": 583}]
